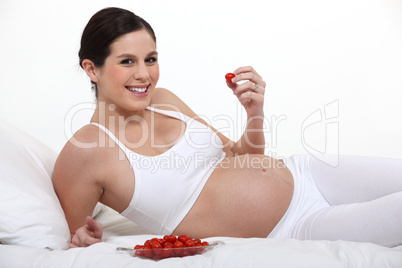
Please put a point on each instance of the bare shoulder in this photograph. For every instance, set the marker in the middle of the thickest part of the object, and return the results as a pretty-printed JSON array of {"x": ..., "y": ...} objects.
[
  {"x": 82, "y": 145},
  {"x": 166, "y": 99},
  {"x": 80, "y": 155}
]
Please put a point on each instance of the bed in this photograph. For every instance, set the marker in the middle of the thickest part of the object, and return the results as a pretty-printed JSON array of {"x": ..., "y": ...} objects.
[{"x": 34, "y": 232}]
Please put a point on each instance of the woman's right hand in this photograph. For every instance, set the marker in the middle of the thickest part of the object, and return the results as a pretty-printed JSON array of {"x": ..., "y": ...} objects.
[{"x": 87, "y": 235}]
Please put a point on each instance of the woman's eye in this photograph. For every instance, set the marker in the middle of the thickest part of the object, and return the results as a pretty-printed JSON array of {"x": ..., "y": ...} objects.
[
  {"x": 151, "y": 60},
  {"x": 127, "y": 61}
]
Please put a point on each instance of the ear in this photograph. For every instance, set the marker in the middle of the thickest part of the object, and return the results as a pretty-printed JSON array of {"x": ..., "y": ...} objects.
[{"x": 90, "y": 69}]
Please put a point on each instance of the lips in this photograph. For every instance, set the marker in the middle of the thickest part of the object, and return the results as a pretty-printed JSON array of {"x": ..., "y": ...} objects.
[{"x": 139, "y": 90}]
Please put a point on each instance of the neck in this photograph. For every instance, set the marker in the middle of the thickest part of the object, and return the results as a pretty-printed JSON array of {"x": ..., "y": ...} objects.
[{"x": 108, "y": 115}]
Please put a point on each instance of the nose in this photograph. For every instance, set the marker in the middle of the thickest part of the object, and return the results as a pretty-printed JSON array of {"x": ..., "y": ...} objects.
[{"x": 141, "y": 73}]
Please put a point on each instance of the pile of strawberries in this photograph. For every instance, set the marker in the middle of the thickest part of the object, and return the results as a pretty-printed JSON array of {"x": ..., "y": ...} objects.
[{"x": 170, "y": 246}]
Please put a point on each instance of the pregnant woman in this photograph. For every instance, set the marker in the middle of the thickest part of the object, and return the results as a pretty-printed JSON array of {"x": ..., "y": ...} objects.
[{"x": 148, "y": 156}]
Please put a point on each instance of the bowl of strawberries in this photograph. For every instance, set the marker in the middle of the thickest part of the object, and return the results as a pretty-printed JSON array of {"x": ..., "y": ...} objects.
[{"x": 171, "y": 246}]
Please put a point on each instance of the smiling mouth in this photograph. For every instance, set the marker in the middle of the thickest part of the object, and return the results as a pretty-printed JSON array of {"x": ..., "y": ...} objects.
[{"x": 139, "y": 90}]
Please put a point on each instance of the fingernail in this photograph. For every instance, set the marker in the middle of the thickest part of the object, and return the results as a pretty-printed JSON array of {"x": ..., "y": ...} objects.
[{"x": 234, "y": 79}]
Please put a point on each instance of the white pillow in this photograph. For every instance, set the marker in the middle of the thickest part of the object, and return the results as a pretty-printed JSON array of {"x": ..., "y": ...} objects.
[
  {"x": 30, "y": 212},
  {"x": 98, "y": 208}
]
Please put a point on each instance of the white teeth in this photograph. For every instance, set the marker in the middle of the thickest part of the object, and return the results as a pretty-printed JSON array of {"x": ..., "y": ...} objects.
[{"x": 137, "y": 90}]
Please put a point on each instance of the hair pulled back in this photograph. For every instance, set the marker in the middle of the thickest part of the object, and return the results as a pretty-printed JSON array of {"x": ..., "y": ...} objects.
[{"x": 103, "y": 28}]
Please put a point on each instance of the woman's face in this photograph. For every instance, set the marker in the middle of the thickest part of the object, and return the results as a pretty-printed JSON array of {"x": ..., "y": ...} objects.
[{"x": 130, "y": 73}]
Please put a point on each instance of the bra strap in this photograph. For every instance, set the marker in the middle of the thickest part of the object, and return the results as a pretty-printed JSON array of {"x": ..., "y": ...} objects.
[
  {"x": 111, "y": 135},
  {"x": 170, "y": 113}
]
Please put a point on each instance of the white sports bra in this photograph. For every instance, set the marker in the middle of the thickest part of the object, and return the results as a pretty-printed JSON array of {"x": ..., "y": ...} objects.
[{"x": 167, "y": 185}]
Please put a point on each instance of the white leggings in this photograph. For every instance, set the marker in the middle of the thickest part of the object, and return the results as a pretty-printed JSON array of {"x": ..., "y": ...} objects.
[{"x": 358, "y": 200}]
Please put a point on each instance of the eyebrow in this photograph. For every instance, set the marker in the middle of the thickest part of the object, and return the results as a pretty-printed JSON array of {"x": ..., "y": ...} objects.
[{"x": 128, "y": 55}]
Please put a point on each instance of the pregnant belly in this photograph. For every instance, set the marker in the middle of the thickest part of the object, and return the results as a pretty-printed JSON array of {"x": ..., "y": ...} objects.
[{"x": 245, "y": 196}]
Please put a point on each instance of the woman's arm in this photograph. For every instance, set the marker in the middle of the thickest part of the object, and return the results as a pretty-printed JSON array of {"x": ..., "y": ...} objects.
[
  {"x": 251, "y": 96},
  {"x": 253, "y": 140},
  {"x": 78, "y": 193}
]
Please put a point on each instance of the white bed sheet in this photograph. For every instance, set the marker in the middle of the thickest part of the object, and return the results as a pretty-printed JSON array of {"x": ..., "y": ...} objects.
[{"x": 237, "y": 252}]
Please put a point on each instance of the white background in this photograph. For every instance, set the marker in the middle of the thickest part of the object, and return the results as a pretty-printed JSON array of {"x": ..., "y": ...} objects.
[{"x": 346, "y": 55}]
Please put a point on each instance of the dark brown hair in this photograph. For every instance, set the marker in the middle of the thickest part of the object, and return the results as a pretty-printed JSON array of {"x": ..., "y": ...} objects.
[{"x": 103, "y": 28}]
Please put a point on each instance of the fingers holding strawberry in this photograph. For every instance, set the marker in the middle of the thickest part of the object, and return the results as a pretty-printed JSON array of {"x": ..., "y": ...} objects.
[{"x": 249, "y": 88}]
